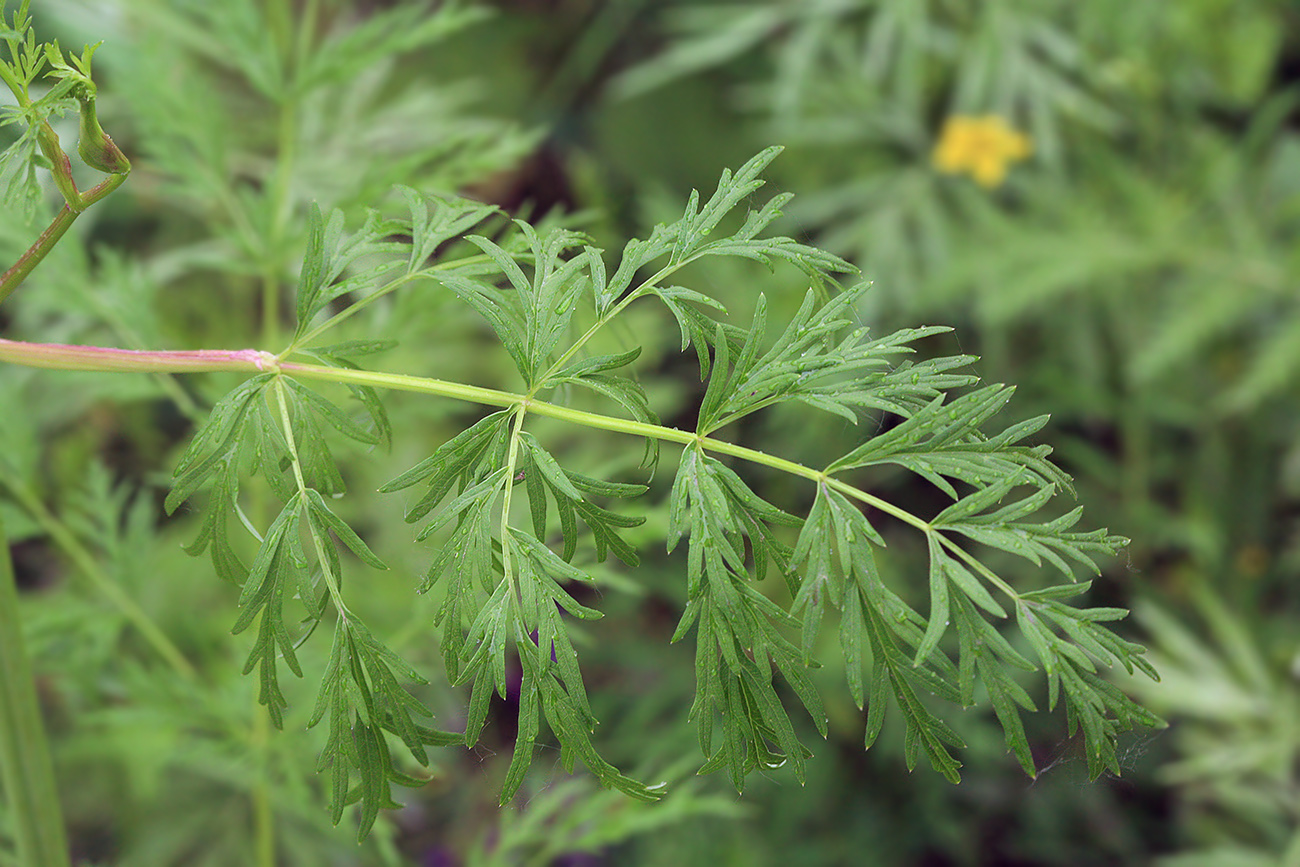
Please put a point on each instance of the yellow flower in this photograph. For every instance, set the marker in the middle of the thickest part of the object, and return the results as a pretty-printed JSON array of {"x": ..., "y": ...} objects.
[{"x": 981, "y": 146}]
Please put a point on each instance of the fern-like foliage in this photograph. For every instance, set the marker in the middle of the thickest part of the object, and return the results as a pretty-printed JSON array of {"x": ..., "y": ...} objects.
[
  {"x": 506, "y": 573},
  {"x": 28, "y": 61}
]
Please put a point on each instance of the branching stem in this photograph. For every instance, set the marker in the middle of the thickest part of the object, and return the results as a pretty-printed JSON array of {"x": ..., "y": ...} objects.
[
  {"x": 331, "y": 580},
  {"x": 512, "y": 462},
  {"x": 66, "y": 357},
  {"x": 979, "y": 567},
  {"x": 37, "y": 252},
  {"x": 74, "y": 203},
  {"x": 361, "y": 304},
  {"x": 613, "y": 313}
]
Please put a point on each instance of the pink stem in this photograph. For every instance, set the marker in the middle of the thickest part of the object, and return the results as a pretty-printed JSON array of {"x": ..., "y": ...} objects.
[{"x": 63, "y": 356}]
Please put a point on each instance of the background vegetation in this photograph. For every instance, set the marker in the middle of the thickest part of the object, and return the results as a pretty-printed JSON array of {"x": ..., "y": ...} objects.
[{"x": 1134, "y": 274}]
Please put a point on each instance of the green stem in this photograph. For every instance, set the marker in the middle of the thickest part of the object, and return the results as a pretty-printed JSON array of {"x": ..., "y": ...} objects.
[
  {"x": 306, "y": 32},
  {"x": 263, "y": 814},
  {"x": 58, "y": 227},
  {"x": 60, "y": 166},
  {"x": 74, "y": 202},
  {"x": 512, "y": 461},
  {"x": 25, "y": 765},
  {"x": 11, "y": 81},
  {"x": 64, "y": 357},
  {"x": 292, "y": 44},
  {"x": 979, "y": 567},
  {"x": 493, "y": 397},
  {"x": 280, "y": 207},
  {"x": 331, "y": 580},
  {"x": 358, "y": 306},
  {"x": 37, "y": 252},
  {"x": 613, "y": 313}
]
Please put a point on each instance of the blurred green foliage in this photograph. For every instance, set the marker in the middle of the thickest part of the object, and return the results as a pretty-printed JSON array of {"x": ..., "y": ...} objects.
[
  {"x": 1136, "y": 277},
  {"x": 1238, "y": 750}
]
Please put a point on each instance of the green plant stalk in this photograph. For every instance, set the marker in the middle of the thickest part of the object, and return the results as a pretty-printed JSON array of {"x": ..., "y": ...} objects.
[
  {"x": 60, "y": 166},
  {"x": 25, "y": 765},
  {"x": 507, "y": 569},
  {"x": 65, "y": 357},
  {"x": 357, "y": 306},
  {"x": 99, "y": 152},
  {"x": 263, "y": 814},
  {"x": 639, "y": 292},
  {"x": 331, "y": 580},
  {"x": 37, "y": 252},
  {"x": 58, "y": 227},
  {"x": 57, "y": 356},
  {"x": 9, "y": 80}
]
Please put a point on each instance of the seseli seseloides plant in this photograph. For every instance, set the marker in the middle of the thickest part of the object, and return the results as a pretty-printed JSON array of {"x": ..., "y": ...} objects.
[{"x": 511, "y": 530}]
